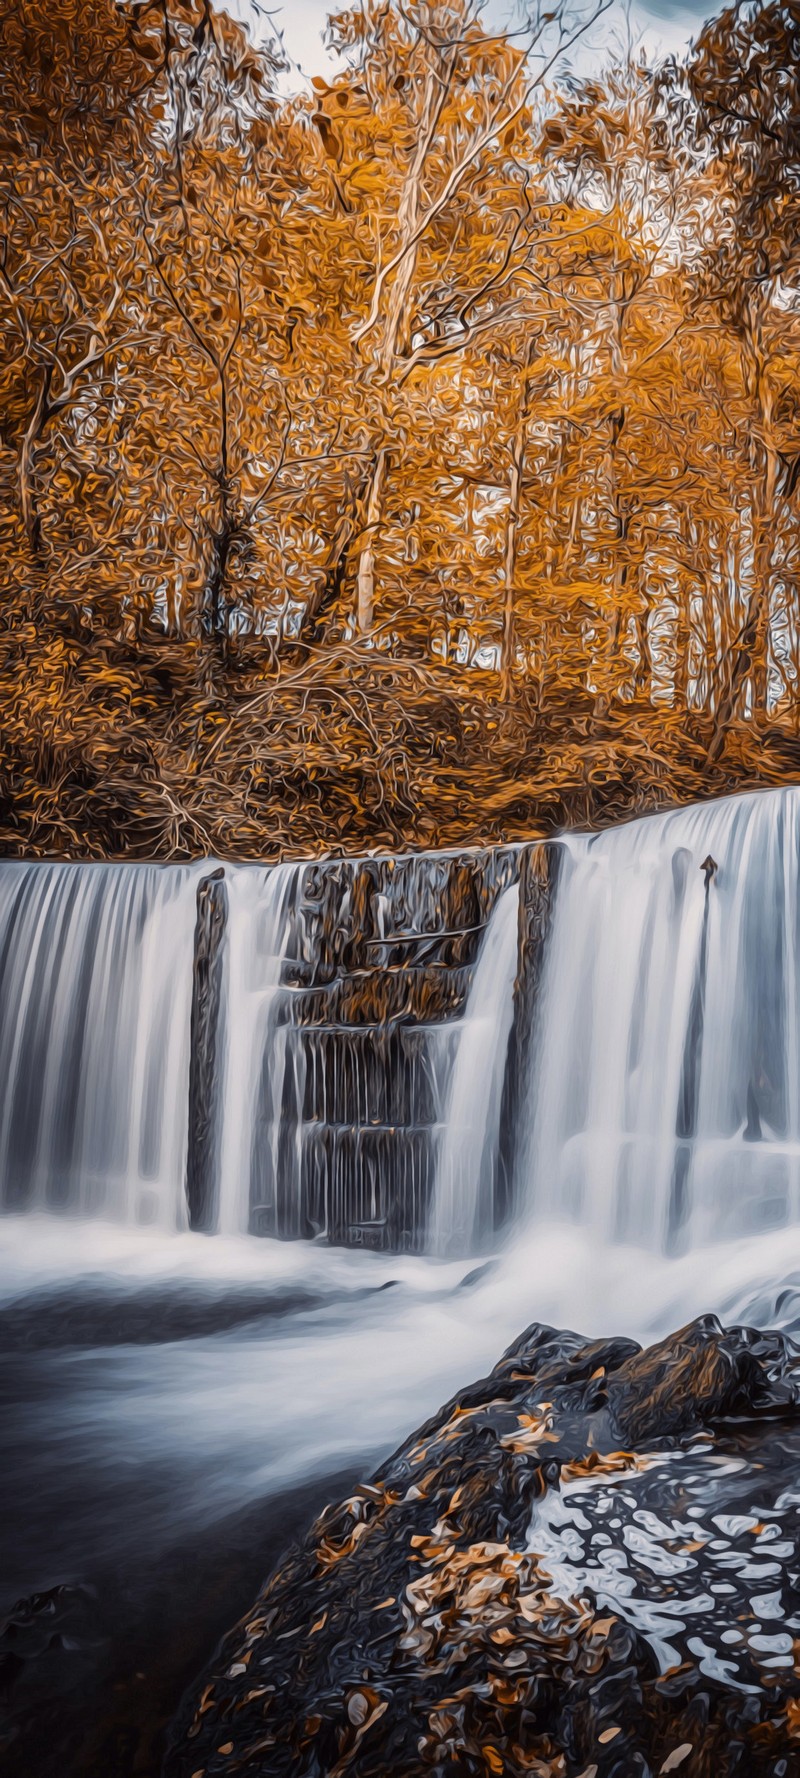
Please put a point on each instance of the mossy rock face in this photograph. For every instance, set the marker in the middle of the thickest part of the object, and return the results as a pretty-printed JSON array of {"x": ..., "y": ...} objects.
[{"x": 586, "y": 1563}]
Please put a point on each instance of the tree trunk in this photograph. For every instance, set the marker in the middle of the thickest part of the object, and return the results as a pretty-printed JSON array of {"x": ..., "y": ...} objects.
[
  {"x": 514, "y": 514},
  {"x": 330, "y": 589},
  {"x": 619, "y": 568},
  {"x": 643, "y": 671},
  {"x": 764, "y": 545},
  {"x": 710, "y": 580},
  {"x": 395, "y": 336},
  {"x": 683, "y": 614},
  {"x": 215, "y": 600},
  {"x": 510, "y": 560},
  {"x": 173, "y": 607},
  {"x": 25, "y": 474},
  {"x": 396, "y": 339},
  {"x": 749, "y": 656},
  {"x": 365, "y": 585},
  {"x": 743, "y": 655},
  {"x": 683, "y": 633}
]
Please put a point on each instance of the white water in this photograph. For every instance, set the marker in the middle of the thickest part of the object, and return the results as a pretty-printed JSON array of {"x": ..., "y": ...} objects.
[
  {"x": 255, "y": 1043},
  {"x": 95, "y": 1007},
  {"x": 664, "y": 1107},
  {"x": 123, "y": 1446},
  {"x": 462, "y": 1209},
  {"x": 665, "y": 1104},
  {"x": 95, "y": 1001}
]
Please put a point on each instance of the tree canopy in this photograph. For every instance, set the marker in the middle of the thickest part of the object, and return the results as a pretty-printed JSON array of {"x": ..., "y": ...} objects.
[{"x": 411, "y": 460}]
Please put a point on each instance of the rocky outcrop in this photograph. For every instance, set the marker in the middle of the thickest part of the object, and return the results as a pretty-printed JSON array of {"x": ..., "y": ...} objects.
[
  {"x": 378, "y": 968},
  {"x": 539, "y": 867},
  {"x": 205, "y": 1050},
  {"x": 374, "y": 960},
  {"x": 586, "y": 1566}
]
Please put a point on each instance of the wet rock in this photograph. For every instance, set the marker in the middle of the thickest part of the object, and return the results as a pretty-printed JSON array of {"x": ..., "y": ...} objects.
[
  {"x": 378, "y": 969},
  {"x": 697, "y": 1377},
  {"x": 205, "y": 1051},
  {"x": 585, "y": 1563},
  {"x": 47, "y": 1645},
  {"x": 538, "y": 879}
]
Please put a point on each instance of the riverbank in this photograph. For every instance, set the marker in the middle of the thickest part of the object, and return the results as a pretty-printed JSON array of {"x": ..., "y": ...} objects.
[{"x": 147, "y": 753}]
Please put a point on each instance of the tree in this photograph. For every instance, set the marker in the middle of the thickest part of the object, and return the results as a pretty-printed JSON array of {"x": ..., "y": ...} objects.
[
  {"x": 448, "y": 104},
  {"x": 743, "y": 79},
  {"x": 412, "y": 457}
]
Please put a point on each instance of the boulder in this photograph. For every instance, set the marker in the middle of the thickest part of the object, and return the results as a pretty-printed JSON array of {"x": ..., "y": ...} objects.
[{"x": 585, "y": 1566}]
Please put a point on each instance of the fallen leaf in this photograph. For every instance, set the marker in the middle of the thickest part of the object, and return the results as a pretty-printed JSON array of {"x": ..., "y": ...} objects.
[{"x": 676, "y": 1758}]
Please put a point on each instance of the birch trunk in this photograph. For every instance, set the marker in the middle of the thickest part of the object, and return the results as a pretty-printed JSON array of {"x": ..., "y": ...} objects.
[
  {"x": 510, "y": 559},
  {"x": 749, "y": 657},
  {"x": 395, "y": 338},
  {"x": 512, "y": 528},
  {"x": 365, "y": 584}
]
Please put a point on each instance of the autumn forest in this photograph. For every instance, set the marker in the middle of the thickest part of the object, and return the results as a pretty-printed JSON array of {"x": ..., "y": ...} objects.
[{"x": 412, "y": 460}]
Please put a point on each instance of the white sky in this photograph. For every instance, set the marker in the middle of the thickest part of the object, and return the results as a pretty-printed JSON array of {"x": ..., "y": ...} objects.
[{"x": 663, "y": 27}]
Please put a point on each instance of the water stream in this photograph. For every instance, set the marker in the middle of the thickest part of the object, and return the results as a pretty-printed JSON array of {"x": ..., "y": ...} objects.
[
  {"x": 665, "y": 1103},
  {"x": 175, "y": 1405}
]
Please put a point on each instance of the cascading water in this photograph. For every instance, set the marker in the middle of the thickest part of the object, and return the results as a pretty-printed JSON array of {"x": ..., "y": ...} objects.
[
  {"x": 95, "y": 995},
  {"x": 95, "y": 1000},
  {"x": 665, "y": 1104},
  {"x": 254, "y": 1050},
  {"x": 247, "y": 1048},
  {"x": 463, "y": 1207},
  {"x": 663, "y": 1107}
]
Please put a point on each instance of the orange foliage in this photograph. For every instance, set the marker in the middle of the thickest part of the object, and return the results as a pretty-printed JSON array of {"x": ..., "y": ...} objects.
[{"x": 411, "y": 460}]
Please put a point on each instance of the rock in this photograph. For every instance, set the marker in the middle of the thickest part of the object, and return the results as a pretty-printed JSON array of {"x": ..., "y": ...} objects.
[
  {"x": 585, "y": 1563},
  {"x": 697, "y": 1377},
  {"x": 205, "y": 1051},
  {"x": 539, "y": 869}
]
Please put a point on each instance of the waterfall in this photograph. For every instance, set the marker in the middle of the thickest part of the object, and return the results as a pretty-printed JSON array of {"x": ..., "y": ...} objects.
[
  {"x": 376, "y": 1051},
  {"x": 95, "y": 996},
  {"x": 241, "y": 1048},
  {"x": 664, "y": 1107},
  {"x": 463, "y": 1208},
  {"x": 255, "y": 1053},
  {"x": 95, "y": 1001}
]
